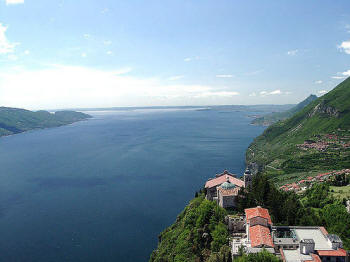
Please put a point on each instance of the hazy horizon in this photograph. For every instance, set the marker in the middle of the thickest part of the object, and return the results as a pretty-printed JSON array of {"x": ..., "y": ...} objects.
[{"x": 89, "y": 54}]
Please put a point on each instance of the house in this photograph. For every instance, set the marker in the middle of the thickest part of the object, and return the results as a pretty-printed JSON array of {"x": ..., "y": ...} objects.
[
  {"x": 290, "y": 243},
  {"x": 258, "y": 235}
]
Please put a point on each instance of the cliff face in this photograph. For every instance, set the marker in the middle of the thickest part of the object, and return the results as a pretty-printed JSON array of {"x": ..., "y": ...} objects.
[
  {"x": 321, "y": 108},
  {"x": 278, "y": 149}
]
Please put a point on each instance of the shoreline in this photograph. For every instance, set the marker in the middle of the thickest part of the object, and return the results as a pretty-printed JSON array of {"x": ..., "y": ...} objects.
[{"x": 43, "y": 128}]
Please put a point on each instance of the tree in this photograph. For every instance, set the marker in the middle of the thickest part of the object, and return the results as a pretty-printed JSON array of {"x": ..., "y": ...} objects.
[{"x": 262, "y": 256}]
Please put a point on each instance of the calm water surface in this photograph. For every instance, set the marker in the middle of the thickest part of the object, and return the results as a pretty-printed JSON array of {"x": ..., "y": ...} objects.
[{"x": 103, "y": 189}]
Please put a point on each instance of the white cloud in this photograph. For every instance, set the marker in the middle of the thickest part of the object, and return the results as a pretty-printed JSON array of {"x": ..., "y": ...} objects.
[
  {"x": 14, "y": 2},
  {"x": 322, "y": 92},
  {"x": 109, "y": 52},
  {"x": 317, "y": 82},
  {"x": 342, "y": 75},
  {"x": 83, "y": 55},
  {"x": 188, "y": 59},
  {"x": 292, "y": 52},
  {"x": 107, "y": 42},
  {"x": 338, "y": 77},
  {"x": 173, "y": 78},
  {"x": 62, "y": 86},
  {"x": 276, "y": 92},
  {"x": 224, "y": 76},
  {"x": 346, "y": 73},
  {"x": 252, "y": 94},
  {"x": 6, "y": 46},
  {"x": 345, "y": 46},
  {"x": 26, "y": 52}
]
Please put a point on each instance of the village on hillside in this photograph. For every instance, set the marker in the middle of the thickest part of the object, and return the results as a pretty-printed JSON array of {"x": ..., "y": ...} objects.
[
  {"x": 253, "y": 231},
  {"x": 304, "y": 184}
]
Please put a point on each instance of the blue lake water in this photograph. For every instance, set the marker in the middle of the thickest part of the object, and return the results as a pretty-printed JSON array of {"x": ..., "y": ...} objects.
[{"x": 103, "y": 189}]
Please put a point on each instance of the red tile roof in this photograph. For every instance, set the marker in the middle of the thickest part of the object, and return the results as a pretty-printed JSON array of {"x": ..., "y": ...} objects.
[
  {"x": 219, "y": 180},
  {"x": 257, "y": 212},
  {"x": 260, "y": 235},
  {"x": 332, "y": 253}
]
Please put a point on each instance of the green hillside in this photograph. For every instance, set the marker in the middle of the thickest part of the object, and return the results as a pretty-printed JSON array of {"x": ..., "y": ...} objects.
[
  {"x": 314, "y": 139},
  {"x": 274, "y": 117},
  {"x": 15, "y": 120},
  {"x": 198, "y": 234}
]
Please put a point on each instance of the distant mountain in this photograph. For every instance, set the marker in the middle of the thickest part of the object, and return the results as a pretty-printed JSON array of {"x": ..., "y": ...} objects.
[
  {"x": 272, "y": 118},
  {"x": 16, "y": 120},
  {"x": 316, "y": 138}
]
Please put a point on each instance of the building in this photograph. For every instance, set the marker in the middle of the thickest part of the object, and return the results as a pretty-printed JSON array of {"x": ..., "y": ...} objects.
[
  {"x": 257, "y": 235},
  {"x": 227, "y": 194},
  {"x": 212, "y": 184},
  {"x": 290, "y": 243},
  {"x": 248, "y": 178}
]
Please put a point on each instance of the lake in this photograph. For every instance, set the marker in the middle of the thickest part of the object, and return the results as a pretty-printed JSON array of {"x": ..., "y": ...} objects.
[{"x": 103, "y": 189}]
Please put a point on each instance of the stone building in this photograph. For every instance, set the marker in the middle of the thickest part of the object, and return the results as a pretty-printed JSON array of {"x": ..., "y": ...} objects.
[
  {"x": 248, "y": 178},
  {"x": 290, "y": 243},
  {"x": 227, "y": 193}
]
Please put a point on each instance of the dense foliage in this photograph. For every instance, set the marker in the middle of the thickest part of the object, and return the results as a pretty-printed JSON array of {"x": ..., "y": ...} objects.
[
  {"x": 316, "y": 207},
  {"x": 199, "y": 234},
  {"x": 263, "y": 256},
  {"x": 15, "y": 120},
  {"x": 272, "y": 118}
]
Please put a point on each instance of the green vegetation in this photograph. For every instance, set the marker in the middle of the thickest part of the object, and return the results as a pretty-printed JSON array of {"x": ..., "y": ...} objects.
[
  {"x": 15, "y": 120},
  {"x": 316, "y": 138},
  {"x": 332, "y": 212},
  {"x": 199, "y": 234},
  {"x": 263, "y": 256},
  {"x": 272, "y": 118},
  {"x": 340, "y": 192},
  {"x": 316, "y": 207}
]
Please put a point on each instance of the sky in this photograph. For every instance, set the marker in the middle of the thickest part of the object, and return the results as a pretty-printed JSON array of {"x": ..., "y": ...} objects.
[{"x": 108, "y": 53}]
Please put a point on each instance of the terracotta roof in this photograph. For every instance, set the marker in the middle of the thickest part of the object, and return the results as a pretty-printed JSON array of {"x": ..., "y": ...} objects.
[
  {"x": 225, "y": 173},
  {"x": 229, "y": 192},
  {"x": 260, "y": 235},
  {"x": 219, "y": 180},
  {"x": 257, "y": 212},
  {"x": 332, "y": 253},
  {"x": 324, "y": 231}
]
